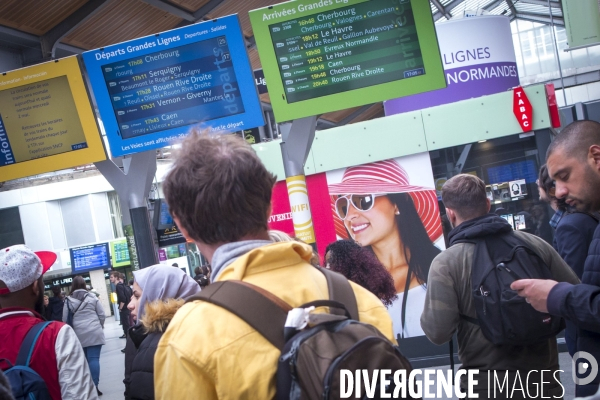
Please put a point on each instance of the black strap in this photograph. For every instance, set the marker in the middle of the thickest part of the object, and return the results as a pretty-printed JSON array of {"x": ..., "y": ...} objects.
[
  {"x": 341, "y": 291},
  {"x": 469, "y": 319},
  {"x": 451, "y": 345},
  {"x": 332, "y": 304},
  {"x": 26, "y": 349},
  {"x": 260, "y": 309},
  {"x": 79, "y": 306},
  {"x": 404, "y": 298}
]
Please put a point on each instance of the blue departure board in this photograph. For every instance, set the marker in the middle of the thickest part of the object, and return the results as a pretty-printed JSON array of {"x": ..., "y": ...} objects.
[
  {"x": 89, "y": 258},
  {"x": 151, "y": 90}
]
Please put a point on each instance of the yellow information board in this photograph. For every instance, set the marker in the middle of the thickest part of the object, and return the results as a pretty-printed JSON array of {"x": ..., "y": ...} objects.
[{"x": 46, "y": 120}]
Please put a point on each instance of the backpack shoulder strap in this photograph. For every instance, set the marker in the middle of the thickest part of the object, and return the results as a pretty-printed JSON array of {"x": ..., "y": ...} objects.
[
  {"x": 260, "y": 309},
  {"x": 26, "y": 349},
  {"x": 80, "y": 304},
  {"x": 341, "y": 291}
]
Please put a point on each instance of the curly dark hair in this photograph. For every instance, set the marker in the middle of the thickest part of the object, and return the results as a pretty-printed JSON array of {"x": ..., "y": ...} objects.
[{"x": 360, "y": 265}]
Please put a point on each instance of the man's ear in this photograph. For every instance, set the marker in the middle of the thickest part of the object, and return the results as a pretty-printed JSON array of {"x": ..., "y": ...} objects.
[
  {"x": 181, "y": 229},
  {"x": 594, "y": 157},
  {"x": 35, "y": 288},
  {"x": 451, "y": 216},
  {"x": 488, "y": 204}
]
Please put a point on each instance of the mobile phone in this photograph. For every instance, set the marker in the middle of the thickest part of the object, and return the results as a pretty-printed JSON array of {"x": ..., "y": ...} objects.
[{"x": 512, "y": 273}]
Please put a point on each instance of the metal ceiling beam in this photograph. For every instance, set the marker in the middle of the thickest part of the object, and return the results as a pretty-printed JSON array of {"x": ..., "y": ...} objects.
[
  {"x": 448, "y": 7},
  {"x": 554, "y": 4},
  {"x": 493, "y": 5},
  {"x": 51, "y": 38},
  {"x": 441, "y": 9},
  {"x": 171, "y": 9},
  {"x": 541, "y": 19},
  {"x": 511, "y": 5}
]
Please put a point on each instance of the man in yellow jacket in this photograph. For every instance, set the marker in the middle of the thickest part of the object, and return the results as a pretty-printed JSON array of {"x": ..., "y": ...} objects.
[{"x": 219, "y": 193}]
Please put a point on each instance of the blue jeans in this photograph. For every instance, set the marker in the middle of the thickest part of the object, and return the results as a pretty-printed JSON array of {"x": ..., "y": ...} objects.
[{"x": 92, "y": 355}]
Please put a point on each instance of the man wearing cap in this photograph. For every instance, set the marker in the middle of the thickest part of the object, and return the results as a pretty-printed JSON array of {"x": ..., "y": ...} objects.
[
  {"x": 450, "y": 304},
  {"x": 57, "y": 355}
]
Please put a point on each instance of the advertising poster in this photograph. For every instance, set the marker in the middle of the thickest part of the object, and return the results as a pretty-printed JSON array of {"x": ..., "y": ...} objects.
[
  {"x": 318, "y": 196},
  {"x": 391, "y": 208},
  {"x": 478, "y": 58}
]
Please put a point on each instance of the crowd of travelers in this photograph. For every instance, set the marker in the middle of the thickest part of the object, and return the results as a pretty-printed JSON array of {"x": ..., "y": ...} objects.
[{"x": 266, "y": 319}]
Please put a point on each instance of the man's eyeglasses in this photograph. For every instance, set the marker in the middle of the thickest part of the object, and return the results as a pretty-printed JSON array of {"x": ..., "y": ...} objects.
[{"x": 361, "y": 202}]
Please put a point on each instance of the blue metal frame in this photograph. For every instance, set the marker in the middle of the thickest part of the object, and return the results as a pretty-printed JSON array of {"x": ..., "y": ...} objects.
[{"x": 229, "y": 27}]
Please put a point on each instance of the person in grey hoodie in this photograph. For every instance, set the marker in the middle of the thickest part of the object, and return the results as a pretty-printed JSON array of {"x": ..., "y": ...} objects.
[{"x": 88, "y": 323}]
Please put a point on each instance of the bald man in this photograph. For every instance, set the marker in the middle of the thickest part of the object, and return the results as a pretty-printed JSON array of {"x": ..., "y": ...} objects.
[{"x": 573, "y": 161}]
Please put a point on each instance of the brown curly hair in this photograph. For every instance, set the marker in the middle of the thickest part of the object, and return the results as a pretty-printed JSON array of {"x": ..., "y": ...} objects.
[{"x": 361, "y": 266}]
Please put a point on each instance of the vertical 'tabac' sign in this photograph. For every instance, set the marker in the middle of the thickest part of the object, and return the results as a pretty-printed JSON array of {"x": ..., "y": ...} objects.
[{"x": 522, "y": 109}]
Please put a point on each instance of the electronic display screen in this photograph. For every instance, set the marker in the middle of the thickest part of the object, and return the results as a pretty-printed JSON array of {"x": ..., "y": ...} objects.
[
  {"x": 179, "y": 87},
  {"x": 525, "y": 169},
  {"x": 89, "y": 258},
  {"x": 509, "y": 218},
  {"x": 335, "y": 54},
  {"x": 348, "y": 48},
  {"x": 150, "y": 91},
  {"x": 520, "y": 222},
  {"x": 46, "y": 120},
  {"x": 120, "y": 253},
  {"x": 36, "y": 121},
  {"x": 164, "y": 217}
]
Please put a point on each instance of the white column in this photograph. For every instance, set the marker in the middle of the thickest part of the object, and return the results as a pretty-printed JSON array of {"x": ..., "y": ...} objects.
[{"x": 99, "y": 284}]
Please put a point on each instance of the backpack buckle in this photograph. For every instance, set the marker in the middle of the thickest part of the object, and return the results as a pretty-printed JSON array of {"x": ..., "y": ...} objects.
[{"x": 298, "y": 318}]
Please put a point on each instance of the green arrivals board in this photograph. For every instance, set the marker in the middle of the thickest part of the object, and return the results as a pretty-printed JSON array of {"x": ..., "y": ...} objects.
[
  {"x": 334, "y": 54},
  {"x": 120, "y": 253}
]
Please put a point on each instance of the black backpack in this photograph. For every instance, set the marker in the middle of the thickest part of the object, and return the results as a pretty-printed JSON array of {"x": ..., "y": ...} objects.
[
  {"x": 71, "y": 312},
  {"x": 505, "y": 318},
  {"x": 311, "y": 358},
  {"x": 26, "y": 384}
]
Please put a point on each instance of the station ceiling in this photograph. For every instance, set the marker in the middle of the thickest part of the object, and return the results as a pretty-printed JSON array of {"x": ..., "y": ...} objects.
[{"x": 39, "y": 30}]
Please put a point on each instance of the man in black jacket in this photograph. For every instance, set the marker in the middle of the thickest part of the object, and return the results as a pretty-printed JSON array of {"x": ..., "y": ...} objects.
[
  {"x": 123, "y": 297},
  {"x": 573, "y": 161}
]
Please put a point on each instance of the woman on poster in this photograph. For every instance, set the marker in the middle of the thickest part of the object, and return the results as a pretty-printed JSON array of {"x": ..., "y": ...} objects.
[{"x": 379, "y": 209}]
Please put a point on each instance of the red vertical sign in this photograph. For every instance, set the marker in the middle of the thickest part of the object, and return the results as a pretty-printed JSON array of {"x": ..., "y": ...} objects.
[
  {"x": 552, "y": 105},
  {"x": 522, "y": 109}
]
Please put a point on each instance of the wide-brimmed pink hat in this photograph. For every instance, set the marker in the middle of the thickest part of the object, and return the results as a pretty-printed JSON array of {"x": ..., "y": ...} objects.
[{"x": 385, "y": 177}]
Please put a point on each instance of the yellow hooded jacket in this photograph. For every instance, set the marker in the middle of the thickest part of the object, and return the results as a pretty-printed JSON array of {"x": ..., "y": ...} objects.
[{"x": 209, "y": 353}]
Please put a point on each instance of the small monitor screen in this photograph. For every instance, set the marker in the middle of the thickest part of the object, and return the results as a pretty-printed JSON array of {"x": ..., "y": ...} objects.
[
  {"x": 520, "y": 222},
  {"x": 164, "y": 217},
  {"x": 89, "y": 258},
  {"x": 509, "y": 218}
]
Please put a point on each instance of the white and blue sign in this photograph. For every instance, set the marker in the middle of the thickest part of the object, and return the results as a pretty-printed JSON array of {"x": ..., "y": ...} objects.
[
  {"x": 151, "y": 90},
  {"x": 6, "y": 153},
  {"x": 89, "y": 258}
]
